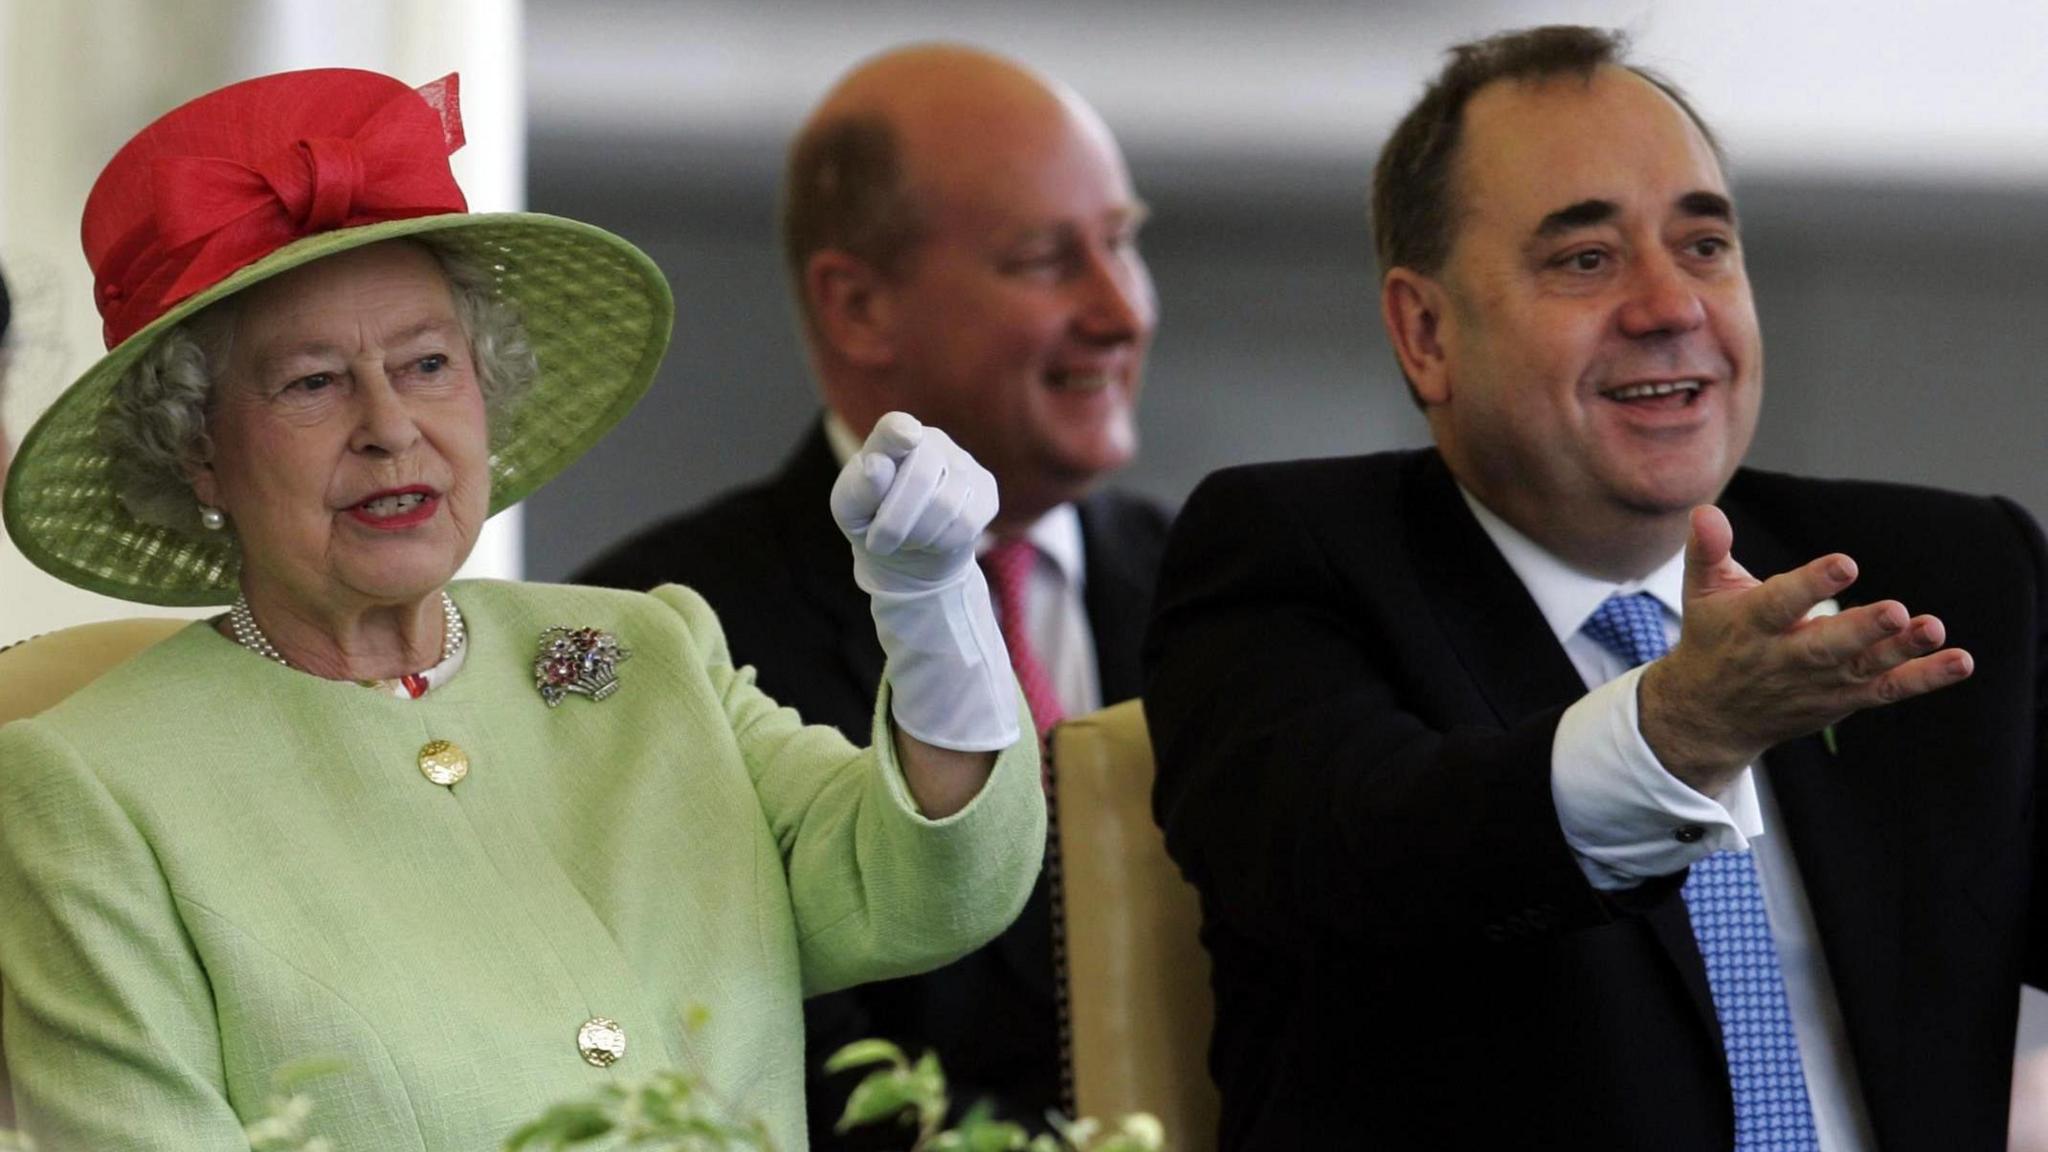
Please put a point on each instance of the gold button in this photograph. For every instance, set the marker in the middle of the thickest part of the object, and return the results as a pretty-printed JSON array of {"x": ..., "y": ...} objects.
[
  {"x": 443, "y": 763},
  {"x": 601, "y": 1041}
]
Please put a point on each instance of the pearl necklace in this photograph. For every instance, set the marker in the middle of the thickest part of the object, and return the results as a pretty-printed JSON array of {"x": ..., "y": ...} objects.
[{"x": 242, "y": 623}]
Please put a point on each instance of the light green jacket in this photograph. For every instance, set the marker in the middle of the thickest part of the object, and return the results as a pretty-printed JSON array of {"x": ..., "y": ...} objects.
[{"x": 212, "y": 866}]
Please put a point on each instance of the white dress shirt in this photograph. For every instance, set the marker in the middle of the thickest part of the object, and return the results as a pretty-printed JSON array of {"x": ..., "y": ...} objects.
[
  {"x": 1056, "y": 615},
  {"x": 1619, "y": 810}
]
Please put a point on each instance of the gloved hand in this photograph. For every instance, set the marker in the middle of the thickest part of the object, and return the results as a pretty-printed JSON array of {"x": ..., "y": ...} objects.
[{"x": 913, "y": 503}]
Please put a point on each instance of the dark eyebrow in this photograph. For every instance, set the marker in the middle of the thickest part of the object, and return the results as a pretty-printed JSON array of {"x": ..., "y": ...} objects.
[
  {"x": 1587, "y": 213},
  {"x": 1584, "y": 214},
  {"x": 1710, "y": 204}
]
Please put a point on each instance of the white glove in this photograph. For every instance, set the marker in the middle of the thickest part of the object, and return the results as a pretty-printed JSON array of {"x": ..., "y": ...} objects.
[{"x": 913, "y": 503}]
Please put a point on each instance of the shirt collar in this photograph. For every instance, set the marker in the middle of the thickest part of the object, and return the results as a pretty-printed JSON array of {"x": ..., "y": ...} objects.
[
  {"x": 1566, "y": 596},
  {"x": 1056, "y": 535},
  {"x": 841, "y": 438}
]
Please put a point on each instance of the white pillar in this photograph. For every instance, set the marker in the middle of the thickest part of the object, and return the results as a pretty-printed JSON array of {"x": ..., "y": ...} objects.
[{"x": 79, "y": 77}]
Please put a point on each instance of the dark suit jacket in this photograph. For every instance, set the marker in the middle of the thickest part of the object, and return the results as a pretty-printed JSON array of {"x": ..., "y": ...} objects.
[
  {"x": 1353, "y": 701},
  {"x": 775, "y": 567}
]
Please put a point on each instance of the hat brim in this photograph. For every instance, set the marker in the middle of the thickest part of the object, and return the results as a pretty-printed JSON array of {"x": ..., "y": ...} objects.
[{"x": 597, "y": 312}]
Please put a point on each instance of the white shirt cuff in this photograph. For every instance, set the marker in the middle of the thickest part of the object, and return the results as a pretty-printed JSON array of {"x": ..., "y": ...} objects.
[{"x": 1628, "y": 819}]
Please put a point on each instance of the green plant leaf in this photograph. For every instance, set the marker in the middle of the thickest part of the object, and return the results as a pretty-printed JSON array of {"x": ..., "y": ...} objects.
[
  {"x": 992, "y": 1136},
  {"x": 928, "y": 1073},
  {"x": 977, "y": 1112},
  {"x": 561, "y": 1126},
  {"x": 1075, "y": 1132},
  {"x": 1143, "y": 1128},
  {"x": 928, "y": 1088},
  {"x": 882, "y": 1096},
  {"x": 862, "y": 1053}
]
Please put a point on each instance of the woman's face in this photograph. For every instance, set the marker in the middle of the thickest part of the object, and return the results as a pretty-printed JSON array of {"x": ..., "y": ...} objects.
[{"x": 350, "y": 443}]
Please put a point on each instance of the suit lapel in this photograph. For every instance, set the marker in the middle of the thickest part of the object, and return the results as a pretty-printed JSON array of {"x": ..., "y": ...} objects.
[
  {"x": 1117, "y": 598},
  {"x": 1480, "y": 605},
  {"x": 823, "y": 562},
  {"x": 1504, "y": 643},
  {"x": 1842, "y": 813}
]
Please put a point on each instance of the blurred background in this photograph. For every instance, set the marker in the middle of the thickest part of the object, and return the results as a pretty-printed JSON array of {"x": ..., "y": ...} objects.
[{"x": 1890, "y": 161}]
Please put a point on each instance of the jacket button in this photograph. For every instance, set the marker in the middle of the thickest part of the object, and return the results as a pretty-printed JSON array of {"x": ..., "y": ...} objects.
[
  {"x": 1688, "y": 833},
  {"x": 443, "y": 762},
  {"x": 601, "y": 1042}
]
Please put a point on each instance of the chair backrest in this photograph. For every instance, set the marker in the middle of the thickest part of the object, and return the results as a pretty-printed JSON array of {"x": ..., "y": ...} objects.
[
  {"x": 1139, "y": 1005},
  {"x": 43, "y": 670},
  {"x": 39, "y": 672}
]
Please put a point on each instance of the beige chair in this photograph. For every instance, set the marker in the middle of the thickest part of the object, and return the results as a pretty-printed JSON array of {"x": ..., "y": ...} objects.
[
  {"x": 1135, "y": 1025},
  {"x": 39, "y": 672}
]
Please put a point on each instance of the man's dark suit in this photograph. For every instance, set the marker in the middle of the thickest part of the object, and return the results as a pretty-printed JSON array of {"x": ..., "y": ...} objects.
[
  {"x": 1353, "y": 700},
  {"x": 775, "y": 567}
]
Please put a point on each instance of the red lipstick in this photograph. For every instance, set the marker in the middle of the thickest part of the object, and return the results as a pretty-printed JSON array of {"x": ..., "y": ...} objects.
[{"x": 401, "y": 508}]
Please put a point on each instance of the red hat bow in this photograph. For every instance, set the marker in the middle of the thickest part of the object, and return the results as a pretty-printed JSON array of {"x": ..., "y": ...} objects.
[{"x": 210, "y": 214}]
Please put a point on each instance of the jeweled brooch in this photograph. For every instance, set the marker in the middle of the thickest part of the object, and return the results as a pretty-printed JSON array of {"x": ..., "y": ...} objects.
[{"x": 580, "y": 660}]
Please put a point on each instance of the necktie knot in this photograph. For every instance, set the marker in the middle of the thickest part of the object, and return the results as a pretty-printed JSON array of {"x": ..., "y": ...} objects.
[
  {"x": 1008, "y": 563},
  {"x": 1631, "y": 627}
]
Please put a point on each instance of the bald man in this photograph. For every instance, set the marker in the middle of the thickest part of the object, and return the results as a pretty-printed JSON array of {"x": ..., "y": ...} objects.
[{"x": 961, "y": 235}]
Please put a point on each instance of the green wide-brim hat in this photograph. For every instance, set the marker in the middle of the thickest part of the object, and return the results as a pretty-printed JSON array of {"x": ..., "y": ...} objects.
[{"x": 597, "y": 312}]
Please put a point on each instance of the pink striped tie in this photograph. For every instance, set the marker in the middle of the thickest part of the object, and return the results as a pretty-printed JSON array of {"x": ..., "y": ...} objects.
[{"x": 1008, "y": 566}]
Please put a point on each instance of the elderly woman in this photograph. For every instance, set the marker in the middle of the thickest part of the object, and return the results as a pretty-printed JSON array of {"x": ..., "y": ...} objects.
[{"x": 485, "y": 845}]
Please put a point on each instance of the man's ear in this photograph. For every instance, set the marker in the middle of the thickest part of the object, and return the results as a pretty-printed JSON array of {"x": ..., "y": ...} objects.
[
  {"x": 1413, "y": 307},
  {"x": 853, "y": 306}
]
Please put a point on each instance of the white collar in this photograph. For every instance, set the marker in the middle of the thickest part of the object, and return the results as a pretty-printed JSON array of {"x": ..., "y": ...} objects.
[
  {"x": 1566, "y": 596},
  {"x": 841, "y": 438},
  {"x": 1057, "y": 534}
]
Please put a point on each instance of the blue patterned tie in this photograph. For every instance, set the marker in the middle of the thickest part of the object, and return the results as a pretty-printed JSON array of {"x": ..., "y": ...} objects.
[{"x": 1727, "y": 907}]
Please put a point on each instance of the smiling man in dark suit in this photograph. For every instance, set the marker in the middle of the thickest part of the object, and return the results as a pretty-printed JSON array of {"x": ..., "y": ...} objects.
[
  {"x": 962, "y": 237},
  {"x": 1494, "y": 850}
]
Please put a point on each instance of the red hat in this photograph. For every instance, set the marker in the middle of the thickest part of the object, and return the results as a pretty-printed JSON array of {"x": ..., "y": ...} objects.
[{"x": 224, "y": 180}]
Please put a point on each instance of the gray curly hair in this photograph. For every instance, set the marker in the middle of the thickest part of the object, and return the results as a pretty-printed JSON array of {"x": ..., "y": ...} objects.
[{"x": 154, "y": 426}]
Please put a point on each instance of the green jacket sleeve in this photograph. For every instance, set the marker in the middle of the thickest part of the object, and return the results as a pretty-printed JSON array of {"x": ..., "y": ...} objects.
[
  {"x": 878, "y": 890},
  {"x": 107, "y": 1015}
]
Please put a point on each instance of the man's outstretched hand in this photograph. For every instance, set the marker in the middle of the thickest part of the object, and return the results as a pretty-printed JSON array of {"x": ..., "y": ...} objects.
[{"x": 1751, "y": 668}]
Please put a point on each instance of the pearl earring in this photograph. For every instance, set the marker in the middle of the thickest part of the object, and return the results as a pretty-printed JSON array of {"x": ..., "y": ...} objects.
[{"x": 211, "y": 518}]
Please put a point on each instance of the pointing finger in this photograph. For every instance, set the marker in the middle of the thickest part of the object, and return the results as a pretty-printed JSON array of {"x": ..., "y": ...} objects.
[
  {"x": 859, "y": 489},
  {"x": 894, "y": 435},
  {"x": 918, "y": 476}
]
